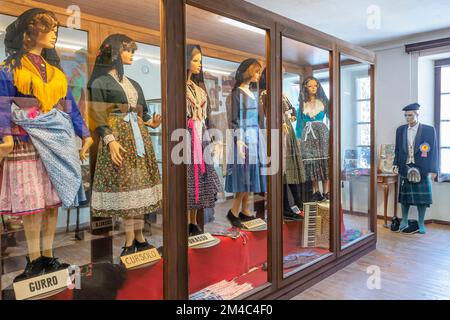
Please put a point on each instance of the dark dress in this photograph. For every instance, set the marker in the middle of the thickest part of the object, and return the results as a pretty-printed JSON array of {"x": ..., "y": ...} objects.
[
  {"x": 202, "y": 179},
  {"x": 134, "y": 188},
  {"x": 246, "y": 175}
]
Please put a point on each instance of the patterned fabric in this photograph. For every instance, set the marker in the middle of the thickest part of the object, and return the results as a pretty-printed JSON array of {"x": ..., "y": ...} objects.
[
  {"x": 203, "y": 182},
  {"x": 132, "y": 116},
  {"x": 294, "y": 171},
  {"x": 39, "y": 63},
  {"x": 53, "y": 136},
  {"x": 415, "y": 193},
  {"x": 314, "y": 149},
  {"x": 25, "y": 186},
  {"x": 132, "y": 189}
]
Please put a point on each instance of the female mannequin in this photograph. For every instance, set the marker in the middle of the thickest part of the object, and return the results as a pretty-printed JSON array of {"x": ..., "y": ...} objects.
[
  {"x": 293, "y": 170},
  {"x": 126, "y": 181},
  {"x": 203, "y": 182},
  {"x": 34, "y": 89},
  {"x": 314, "y": 135},
  {"x": 244, "y": 164}
]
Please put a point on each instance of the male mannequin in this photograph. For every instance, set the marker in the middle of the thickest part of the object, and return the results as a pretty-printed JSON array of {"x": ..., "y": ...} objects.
[{"x": 415, "y": 147}]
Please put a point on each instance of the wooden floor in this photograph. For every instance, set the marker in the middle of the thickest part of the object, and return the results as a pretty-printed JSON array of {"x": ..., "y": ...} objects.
[{"x": 412, "y": 267}]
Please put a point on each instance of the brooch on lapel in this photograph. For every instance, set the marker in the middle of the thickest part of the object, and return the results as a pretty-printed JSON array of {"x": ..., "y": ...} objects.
[{"x": 424, "y": 148}]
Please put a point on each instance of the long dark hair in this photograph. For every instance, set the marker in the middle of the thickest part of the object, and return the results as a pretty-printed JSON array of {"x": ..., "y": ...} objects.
[
  {"x": 191, "y": 51},
  {"x": 109, "y": 56},
  {"x": 24, "y": 31},
  {"x": 304, "y": 95}
]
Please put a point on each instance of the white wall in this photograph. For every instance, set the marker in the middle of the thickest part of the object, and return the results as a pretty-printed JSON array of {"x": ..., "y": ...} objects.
[{"x": 403, "y": 78}]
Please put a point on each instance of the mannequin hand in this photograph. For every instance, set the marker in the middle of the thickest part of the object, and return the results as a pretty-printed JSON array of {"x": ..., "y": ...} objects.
[
  {"x": 6, "y": 147},
  {"x": 155, "y": 122},
  {"x": 433, "y": 176},
  {"x": 395, "y": 169},
  {"x": 241, "y": 146},
  {"x": 293, "y": 118},
  {"x": 87, "y": 143},
  {"x": 218, "y": 149},
  {"x": 285, "y": 129},
  {"x": 114, "y": 150}
]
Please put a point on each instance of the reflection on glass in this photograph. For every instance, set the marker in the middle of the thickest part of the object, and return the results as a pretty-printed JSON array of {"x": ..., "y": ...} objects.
[
  {"x": 445, "y": 80},
  {"x": 103, "y": 228},
  {"x": 355, "y": 149},
  {"x": 305, "y": 131},
  {"x": 226, "y": 179},
  {"x": 445, "y": 107}
]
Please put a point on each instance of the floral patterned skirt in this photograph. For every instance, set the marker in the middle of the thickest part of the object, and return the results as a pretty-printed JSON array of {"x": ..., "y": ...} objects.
[
  {"x": 132, "y": 189},
  {"x": 25, "y": 186}
]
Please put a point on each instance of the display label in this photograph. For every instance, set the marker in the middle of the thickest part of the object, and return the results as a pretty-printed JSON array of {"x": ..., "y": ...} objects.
[
  {"x": 200, "y": 239},
  {"x": 106, "y": 223},
  {"x": 41, "y": 285},
  {"x": 140, "y": 258},
  {"x": 255, "y": 223}
]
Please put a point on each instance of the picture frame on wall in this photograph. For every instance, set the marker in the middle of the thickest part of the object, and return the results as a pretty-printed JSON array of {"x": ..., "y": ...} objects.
[
  {"x": 212, "y": 88},
  {"x": 227, "y": 85}
]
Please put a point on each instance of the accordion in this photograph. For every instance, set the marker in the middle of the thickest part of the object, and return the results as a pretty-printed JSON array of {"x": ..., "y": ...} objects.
[{"x": 316, "y": 225}]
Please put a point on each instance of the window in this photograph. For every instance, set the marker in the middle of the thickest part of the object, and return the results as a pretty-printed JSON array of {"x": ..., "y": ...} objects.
[
  {"x": 442, "y": 115},
  {"x": 363, "y": 110}
]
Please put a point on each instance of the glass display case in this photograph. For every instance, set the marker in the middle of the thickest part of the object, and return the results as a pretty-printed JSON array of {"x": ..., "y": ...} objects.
[{"x": 210, "y": 151}]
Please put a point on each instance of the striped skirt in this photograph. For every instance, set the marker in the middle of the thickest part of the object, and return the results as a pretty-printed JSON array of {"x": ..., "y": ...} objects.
[{"x": 25, "y": 186}]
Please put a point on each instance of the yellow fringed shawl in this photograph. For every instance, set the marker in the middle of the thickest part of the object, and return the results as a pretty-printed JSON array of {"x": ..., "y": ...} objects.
[{"x": 28, "y": 81}]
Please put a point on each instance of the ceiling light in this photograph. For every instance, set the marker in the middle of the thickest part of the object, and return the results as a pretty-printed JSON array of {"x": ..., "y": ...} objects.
[{"x": 241, "y": 25}]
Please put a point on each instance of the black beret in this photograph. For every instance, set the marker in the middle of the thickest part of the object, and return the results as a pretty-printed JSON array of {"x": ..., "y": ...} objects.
[{"x": 412, "y": 107}]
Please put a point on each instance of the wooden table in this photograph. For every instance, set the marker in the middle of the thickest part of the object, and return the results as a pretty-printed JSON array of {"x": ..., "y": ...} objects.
[{"x": 386, "y": 179}]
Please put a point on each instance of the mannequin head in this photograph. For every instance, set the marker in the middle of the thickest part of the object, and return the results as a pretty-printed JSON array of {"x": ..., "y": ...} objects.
[
  {"x": 36, "y": 31},
  {"x": 194, "y": 63},
  {"x": 311, "y": 87},
  {"x": 412, "y": 117},
  {"x": 116, "y": 51},
  {"x": 249, "y": 71}
]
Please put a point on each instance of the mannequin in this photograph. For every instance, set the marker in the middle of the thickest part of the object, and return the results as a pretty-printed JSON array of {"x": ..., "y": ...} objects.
[
  {"x": 127, "y": 182},
  {"x": 314, "y": 135},
  {"x": 245, "y": 159},
  {"x": 33, "y": 90},
  {"x": 415, "y": 147},
  {"x": 203, "y": 182},
  {"x": 293, "y": 170}
]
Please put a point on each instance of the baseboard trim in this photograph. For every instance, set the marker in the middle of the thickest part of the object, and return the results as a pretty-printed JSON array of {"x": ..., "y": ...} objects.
[{"x": 428, "y": 221}]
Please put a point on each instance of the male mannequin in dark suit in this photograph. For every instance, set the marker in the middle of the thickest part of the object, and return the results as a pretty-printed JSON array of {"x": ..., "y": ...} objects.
[{"x": 416, "y": 161}]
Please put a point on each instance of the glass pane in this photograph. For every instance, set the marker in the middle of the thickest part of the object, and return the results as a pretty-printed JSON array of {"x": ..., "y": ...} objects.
[
  {"x": 305, "y": 141},
  {"x": 445, "y": 134},
  {"x": 363, "y": 88},
  {"x": 445, "y": 107},
  {"x": 445, "y": 80},
  {"x": 355, "y": 150},
  {"x": 227, "y": 174},
  {"x": 364, "y": 111},
  {"x": 108, "y": 233},
  {"x": 445, "y": 161}
]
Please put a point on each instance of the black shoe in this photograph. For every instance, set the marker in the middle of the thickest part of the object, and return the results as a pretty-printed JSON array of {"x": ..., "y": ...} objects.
[
  {"x": 51, "y": 264},
  {"x": 194, "y": 230},
  {"x": 160, "y": 251},
  {"x": 410, "y": 230},
  {"x": 141, "y": 246},
  {"x": 292, "y": 216},
  {"x": 235, "y": 221},
  {"x": 317, "y": 197},
  {"x": 244, "y": 218},
  {"x": 395, "y": 224},
  {"x": 32, "y": 269},
  {"x": 326, "y": 196},
  {"x": 128, "y": 250}
]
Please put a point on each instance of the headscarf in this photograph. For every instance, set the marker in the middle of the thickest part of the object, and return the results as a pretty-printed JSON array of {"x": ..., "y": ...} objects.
[
  {"x": 109, "y": 58},
  {"x": 15, "y": 35}
]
